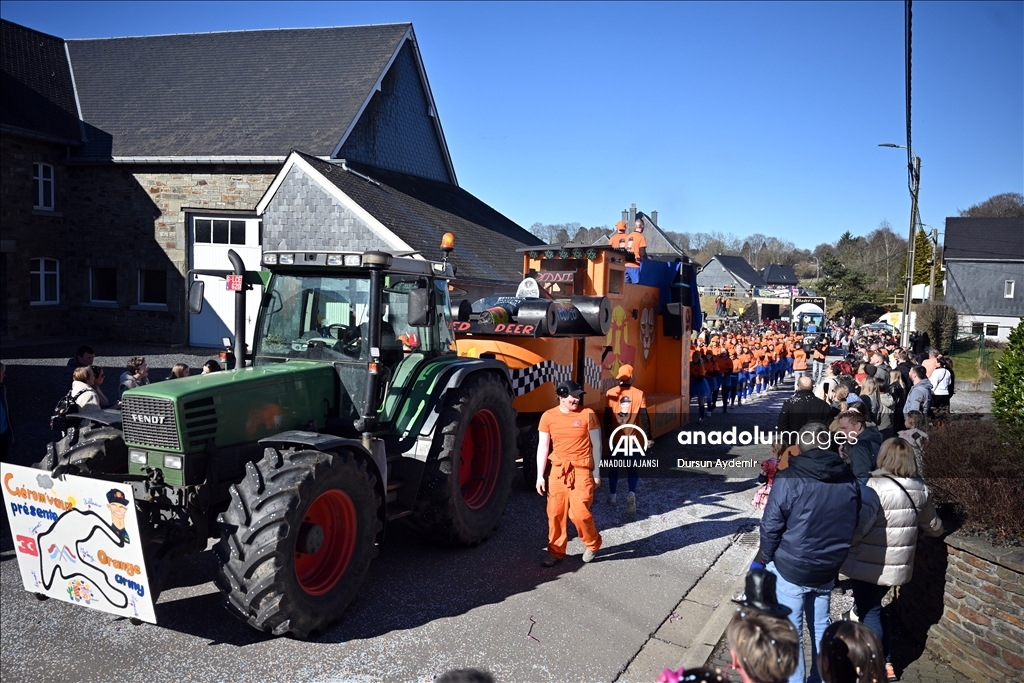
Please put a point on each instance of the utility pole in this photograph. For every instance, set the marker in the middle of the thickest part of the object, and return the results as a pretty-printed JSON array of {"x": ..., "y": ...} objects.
[
  {"x": 935, "y": 260},
  {"x": 908, "y": 292}
]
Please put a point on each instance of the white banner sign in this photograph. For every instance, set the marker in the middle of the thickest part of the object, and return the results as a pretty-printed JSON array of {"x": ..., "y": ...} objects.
[{"x": 77, "y": 540}]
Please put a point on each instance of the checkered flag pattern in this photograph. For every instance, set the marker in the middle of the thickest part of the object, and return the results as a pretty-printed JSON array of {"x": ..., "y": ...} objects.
[
  {"x": 526, "y": 380},
  {"x": 592, "y": 373}
]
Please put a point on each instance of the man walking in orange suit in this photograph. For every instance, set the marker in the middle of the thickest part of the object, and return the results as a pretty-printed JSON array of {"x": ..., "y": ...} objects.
[{"x": 570, "y": 436}]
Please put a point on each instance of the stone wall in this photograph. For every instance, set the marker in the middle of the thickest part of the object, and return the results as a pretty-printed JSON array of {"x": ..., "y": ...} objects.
[
  {"x": 134, "y": 218},
  {"x": 966, "y": 601},
  {"x": 29, "y": 233}
]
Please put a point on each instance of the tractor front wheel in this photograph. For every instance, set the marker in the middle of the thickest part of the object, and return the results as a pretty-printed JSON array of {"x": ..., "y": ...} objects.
[
  {"x": 297, "y": 540},
  {"x": 468, "y": 476}
]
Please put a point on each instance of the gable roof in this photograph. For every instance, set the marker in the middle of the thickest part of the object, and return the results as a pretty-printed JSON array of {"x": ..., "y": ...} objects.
[
  {"x": 778, "y": 274},
  {"x": 738, "y": 266},
  {"x": 418, "y": 211},
  {"x": 658, "y": 243},
  {"x": 230, "y": 94},
  {"x": 38, "y": 87},
  {"x": 984, "y": 239}
]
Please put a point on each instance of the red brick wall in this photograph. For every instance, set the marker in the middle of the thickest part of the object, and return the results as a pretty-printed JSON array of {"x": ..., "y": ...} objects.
[{"x": 967, "y": 600}]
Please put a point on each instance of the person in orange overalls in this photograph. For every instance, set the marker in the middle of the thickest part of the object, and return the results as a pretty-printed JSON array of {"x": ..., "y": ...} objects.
[{"x": 572, "y": 436}]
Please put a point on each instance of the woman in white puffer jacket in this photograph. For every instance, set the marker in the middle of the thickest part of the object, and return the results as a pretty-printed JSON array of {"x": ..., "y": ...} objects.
[
  {"x": 884, "y": 555},
  {"x": 83, "y": 392}
]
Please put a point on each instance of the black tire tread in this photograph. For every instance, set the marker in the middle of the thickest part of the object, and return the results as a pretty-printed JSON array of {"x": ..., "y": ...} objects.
[
  {"x": 258, "y": 531},
  {"x": 440, "y": 513}
]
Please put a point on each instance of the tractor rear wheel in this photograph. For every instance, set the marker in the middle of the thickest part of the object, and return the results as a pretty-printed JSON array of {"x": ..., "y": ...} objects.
[
  {"x": 91, "y": 448},
  {"x": 468, "y": 475},
  {"x": 297, "y": 540}
]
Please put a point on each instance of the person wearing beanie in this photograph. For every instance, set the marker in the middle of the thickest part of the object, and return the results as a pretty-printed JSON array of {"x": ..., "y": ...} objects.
[{"x": 626, "y": 405}]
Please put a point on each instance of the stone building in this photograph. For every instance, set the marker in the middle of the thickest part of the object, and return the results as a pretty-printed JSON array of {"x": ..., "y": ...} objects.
[
  {"x": 160, "y": 148},
  {"x": 39, "y": 123}
]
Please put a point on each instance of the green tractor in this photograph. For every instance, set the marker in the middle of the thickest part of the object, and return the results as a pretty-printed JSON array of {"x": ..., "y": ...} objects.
[{"x": 355, "y": 412}]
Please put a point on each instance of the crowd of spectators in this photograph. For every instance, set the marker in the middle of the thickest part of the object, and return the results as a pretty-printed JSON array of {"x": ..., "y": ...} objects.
[{"x": 846, "y": 496}]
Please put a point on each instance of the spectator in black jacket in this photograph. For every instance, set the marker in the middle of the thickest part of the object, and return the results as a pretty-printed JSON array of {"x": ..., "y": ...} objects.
[
  {"x": 904, "y": 366},
  {"x": 806, "y": 532},
  {"x": 803, "y": 407},
  {"x": 861, "y": 443},
  {"x": 83, "y": 358}
]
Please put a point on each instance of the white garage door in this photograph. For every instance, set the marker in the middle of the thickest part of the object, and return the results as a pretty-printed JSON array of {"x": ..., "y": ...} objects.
[{"x": 211, "y": 238}]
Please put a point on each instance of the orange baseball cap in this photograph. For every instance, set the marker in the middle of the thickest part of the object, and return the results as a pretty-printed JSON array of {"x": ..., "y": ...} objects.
[
  {"x": 625, "y": 372},
  {"x": 621, "y": 226}
]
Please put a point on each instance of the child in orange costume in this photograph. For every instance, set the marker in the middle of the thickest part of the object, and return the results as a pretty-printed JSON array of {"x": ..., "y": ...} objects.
[{"x": 575, "y": 434}]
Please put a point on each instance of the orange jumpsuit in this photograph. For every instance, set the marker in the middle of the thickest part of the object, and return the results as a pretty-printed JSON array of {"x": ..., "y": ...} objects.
[{"x": 571, "y": 484}]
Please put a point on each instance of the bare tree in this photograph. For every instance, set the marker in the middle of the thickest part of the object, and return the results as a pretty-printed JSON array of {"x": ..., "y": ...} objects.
[
  {"x": 557, "y": 233},
  {"x": 885, "y": 248},
  {"x": 1006, "y": 205}
]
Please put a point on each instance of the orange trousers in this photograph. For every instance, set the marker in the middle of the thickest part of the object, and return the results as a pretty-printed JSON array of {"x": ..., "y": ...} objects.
[{"x": 570, "y": 495}]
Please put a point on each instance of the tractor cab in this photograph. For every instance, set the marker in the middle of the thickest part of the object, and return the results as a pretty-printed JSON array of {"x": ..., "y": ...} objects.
[{"x": 372, "y": 316}]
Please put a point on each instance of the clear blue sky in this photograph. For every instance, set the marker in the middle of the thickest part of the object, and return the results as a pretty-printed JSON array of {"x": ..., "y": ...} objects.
[{"x": 742, "y": 118}]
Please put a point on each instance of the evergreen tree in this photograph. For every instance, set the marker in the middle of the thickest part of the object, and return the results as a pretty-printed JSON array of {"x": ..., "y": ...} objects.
[
  {"x": 922, "y": 259},
  {"x": 1008, "y": 394}
]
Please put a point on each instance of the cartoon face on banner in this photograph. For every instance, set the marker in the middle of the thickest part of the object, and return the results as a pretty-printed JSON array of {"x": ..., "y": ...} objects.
[
  {"x": 77, "y": 540},
  {"x": 648, "y": 320}
]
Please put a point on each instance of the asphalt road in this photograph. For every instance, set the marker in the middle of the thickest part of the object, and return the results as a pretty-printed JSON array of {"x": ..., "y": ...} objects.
[{"x": 424, "y": 609}]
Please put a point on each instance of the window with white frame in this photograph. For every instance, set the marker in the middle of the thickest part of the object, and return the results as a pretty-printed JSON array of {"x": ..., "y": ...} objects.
[
  {"x": 219, "y": 231},
  {"x": 991, "y": 330},
  {"x": 153, "y": 287},
  {"x": 44, "y": 287},
  {"x": 42, "y": 184},
  {"x": 1008, "y": 287},
  {"x": 103, "y": 285}
]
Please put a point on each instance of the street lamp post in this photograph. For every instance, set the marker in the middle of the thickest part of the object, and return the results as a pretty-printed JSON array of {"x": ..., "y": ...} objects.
[{"x": 914, "y": 167}]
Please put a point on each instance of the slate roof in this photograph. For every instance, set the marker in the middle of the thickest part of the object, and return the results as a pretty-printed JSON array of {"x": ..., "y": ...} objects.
[
  {"x": 420, "y": 211},
  {"x": 240, "y": 93},
  {"x": 38, "y": 90},
  {"x": 738, "y": 266},
  {"x": 778, "y": 274},
  {"x": 984, "y": 239}
]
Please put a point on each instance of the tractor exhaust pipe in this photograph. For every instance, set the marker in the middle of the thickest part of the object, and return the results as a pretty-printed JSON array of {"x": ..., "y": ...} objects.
[{"x": 239, "y": 266}]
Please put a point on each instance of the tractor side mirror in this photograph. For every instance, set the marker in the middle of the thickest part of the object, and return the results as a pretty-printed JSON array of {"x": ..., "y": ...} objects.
[
  {"x": 421, "y": 312},
  {"x": 195, "y": 297}
]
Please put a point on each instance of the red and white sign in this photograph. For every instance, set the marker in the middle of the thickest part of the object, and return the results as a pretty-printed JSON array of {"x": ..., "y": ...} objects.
[{"x": 233, "y": 283}]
